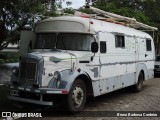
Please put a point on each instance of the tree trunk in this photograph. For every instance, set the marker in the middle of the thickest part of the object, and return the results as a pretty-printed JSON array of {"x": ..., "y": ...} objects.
[
  {"x": 158, "y": 44},
  {"x": 2, "y": 29}
]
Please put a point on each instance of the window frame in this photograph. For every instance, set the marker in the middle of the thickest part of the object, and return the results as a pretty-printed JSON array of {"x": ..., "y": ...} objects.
[
  {"x": 122, "y": 45},
  {"x": 94, "y": 39},
  {"x": 103, "y": 51},
  {"x": 148, "y": 48},
  {"x": 43, "y": 33}
]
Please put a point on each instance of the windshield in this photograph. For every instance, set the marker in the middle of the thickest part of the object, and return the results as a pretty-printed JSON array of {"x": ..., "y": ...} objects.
[
  {"x": 158, "y": 58},
  {"x": 45, "y": 41},
  {"x": 74, "y": 41}
]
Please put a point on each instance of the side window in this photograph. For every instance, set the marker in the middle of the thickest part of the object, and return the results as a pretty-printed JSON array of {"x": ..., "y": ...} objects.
[
  {"x": 120, "y": 41},
  {"x": 148, "y": 45},
  {"x": 103, "y": 48}
]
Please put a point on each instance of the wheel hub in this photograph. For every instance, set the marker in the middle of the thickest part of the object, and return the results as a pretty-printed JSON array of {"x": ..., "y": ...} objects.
[{"x": 77, "y": 96}]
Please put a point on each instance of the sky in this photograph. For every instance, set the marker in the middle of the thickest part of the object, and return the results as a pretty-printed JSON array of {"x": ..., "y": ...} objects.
[{"x": 75, "y": 4}]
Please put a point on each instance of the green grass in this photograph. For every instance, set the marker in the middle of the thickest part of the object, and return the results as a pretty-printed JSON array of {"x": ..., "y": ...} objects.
[{"x": 9, "y": 57}]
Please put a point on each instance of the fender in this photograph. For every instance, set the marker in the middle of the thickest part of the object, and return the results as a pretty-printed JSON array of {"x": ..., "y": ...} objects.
[
  {"x": 140, "y": 67},
  {"x": 68, "y": 78}
]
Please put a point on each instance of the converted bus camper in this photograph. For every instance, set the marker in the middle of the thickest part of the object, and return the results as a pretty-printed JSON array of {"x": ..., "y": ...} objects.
[{"x": 75, "y": 57}]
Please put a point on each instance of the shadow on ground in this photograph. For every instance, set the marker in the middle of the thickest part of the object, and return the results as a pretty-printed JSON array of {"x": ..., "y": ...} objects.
[{"x": 59, "y": 110}]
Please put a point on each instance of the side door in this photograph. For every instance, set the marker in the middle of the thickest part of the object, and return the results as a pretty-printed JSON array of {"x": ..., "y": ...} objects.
[
  {"x": 145, "y": 50},
  {"x": 141, "y": 49},
  {"x": 149, "y": 55},
  {"x": 146, "y": 56}
]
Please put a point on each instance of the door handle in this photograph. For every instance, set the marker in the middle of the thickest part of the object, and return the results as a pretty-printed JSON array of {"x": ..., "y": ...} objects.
[{"x": 146, "y": 55}]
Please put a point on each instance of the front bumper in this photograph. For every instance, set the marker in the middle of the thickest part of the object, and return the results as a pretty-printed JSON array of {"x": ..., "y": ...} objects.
[
  {"x": 41, "y": 90},
  {"x": 39, "y": 102},
  {"x": 36, "y": 96}
]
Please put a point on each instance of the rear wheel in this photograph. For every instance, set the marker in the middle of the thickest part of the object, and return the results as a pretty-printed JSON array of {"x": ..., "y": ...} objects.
[
  {"x": 138, "y": 87},
  {"x": 76, "y": 98}
]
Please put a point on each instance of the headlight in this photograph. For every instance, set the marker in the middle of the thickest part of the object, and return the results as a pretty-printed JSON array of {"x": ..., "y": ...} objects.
[
  {"x": 57, "y": 76},
  {"x": 15, "y": 71}
]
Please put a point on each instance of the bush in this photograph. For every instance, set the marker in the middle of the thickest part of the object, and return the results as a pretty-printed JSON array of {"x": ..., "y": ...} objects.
[{"x": 9, "y": 57}]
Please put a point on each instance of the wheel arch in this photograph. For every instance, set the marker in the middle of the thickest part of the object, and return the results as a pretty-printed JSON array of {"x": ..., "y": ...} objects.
[
  {"x": 142, "y": 71},
  {"x": 141, "y": 68},
  {"x": 88, "y": 83}
]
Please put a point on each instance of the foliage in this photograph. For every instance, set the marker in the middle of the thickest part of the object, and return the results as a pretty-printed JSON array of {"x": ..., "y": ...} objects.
[
  {"x": 129, "y": 8},
  {"x": 68, "y": 11},
  {"x": 152, "y": 10},
  {"x": 16, "y": 15},
  {"x": 145, "y": 11},
  {"x": 85, "y": 10},
  {"x": 9, "y": 57}
]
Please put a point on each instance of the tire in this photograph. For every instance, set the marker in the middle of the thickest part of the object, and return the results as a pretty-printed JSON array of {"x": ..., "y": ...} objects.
[
  {"x": 138, "y": 87},
  {"x": 76, "y": 98}
]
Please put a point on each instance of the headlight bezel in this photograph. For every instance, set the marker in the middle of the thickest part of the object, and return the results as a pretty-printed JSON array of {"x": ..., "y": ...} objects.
[{"x": 57, "y": 76}]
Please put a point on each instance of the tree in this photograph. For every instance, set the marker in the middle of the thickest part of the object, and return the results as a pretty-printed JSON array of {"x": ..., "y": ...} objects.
[
  {"x": 129, "y": 8},
  {"x": 16, "y": 15},
  {"x": 145, "y": 11},
  {"x": 152, "y": 10},
  {"x": 68, "y": 11}
]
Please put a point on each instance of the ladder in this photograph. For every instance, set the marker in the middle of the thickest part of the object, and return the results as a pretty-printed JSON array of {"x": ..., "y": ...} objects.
[{"x": 117, "y": 19}]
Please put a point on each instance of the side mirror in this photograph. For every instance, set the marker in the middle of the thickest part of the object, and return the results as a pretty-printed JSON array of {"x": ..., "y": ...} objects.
[{"x": 94, "y": 47}]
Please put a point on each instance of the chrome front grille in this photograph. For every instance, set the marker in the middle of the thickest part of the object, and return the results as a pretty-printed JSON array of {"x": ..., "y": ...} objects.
[{"x": 28, "y": 69}]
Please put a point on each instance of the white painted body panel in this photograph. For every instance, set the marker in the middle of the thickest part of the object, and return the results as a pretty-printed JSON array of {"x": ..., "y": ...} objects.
[{"x": 115, "y": 69}]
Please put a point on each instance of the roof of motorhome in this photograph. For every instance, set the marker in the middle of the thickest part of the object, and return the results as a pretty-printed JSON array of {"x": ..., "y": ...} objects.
[{"x": 100, "y": 26}]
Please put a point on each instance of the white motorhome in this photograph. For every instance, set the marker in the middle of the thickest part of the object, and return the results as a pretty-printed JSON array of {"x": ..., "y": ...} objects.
[{"x": 76, "y": 57}]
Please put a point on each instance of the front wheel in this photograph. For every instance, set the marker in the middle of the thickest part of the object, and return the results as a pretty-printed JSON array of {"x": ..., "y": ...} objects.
[{"x": 76, "y": 98}]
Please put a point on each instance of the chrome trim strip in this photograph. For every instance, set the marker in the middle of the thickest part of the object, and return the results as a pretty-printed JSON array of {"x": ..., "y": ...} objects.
[
  {"x": 127, "y": 62},
  {"x": 20, "y": 88},
  {"x": 27, "y": 89},
  {"x": 57, "y": 92},
  {"x": 37, "y": 90},
  {"x": 30, "y": 101}
]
